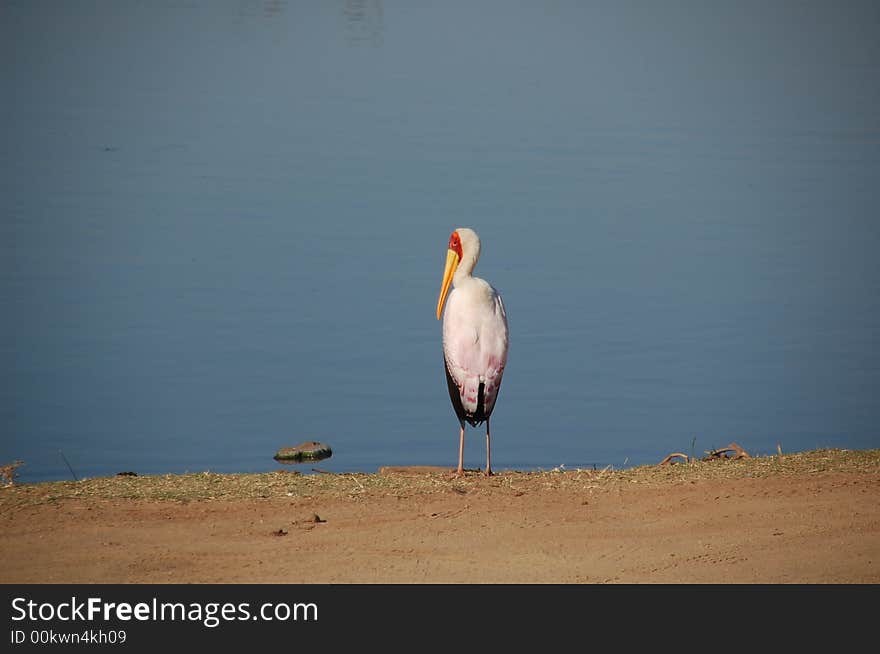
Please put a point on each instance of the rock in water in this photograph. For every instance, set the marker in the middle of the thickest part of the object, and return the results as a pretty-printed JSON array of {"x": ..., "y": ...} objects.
[{"x": 308, "y": 451}]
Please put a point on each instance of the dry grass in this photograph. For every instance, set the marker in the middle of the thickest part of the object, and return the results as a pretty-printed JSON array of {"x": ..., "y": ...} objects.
[
  {"x": 208, "y": 486},
  {"x": 9, "y": 472}
]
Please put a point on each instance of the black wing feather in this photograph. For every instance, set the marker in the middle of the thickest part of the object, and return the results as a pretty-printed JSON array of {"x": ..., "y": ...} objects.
[{"x": 476, "y": 418}]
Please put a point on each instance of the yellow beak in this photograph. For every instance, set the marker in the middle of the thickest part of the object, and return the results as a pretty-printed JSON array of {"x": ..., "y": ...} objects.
[{"x": 452, "y": 262}]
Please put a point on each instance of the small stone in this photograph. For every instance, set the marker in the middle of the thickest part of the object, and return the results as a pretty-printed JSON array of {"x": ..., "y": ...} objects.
[{"x": 307, "y": 451}]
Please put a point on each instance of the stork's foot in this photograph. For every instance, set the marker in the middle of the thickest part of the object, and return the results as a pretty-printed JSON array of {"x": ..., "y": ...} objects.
[
  {"x": 488, "y": 472},
  {"x": 456, "y": 474}
]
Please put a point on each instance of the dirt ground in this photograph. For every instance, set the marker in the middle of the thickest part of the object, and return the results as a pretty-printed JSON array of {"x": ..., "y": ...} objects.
[{"x": 811, "y": 517}]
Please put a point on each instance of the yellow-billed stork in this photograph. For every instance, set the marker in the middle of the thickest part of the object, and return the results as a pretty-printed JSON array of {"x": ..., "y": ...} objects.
[{"x": 475, "y": 338}]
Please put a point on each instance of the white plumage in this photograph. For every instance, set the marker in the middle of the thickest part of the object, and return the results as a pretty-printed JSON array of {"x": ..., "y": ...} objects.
[{"x": 475, "y": 337}]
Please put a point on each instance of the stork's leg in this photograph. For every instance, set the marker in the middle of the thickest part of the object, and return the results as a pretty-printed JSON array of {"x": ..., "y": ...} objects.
[
  {"x": 460, "y": 471},
  {"x": 488, "y": 451}
]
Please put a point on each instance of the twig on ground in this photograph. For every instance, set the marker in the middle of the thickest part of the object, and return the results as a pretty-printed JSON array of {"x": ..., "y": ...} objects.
[
  {"x": 603, "y": 471},
  {"x": 675, "y": 455},
  {"x": 722, "y": 453}
]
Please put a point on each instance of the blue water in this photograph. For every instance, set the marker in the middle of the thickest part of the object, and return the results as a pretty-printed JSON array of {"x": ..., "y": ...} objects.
[{"x": 224, "y": 225}]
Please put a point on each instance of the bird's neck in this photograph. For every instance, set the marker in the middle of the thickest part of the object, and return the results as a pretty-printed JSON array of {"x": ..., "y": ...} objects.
[{"x": 465, "y": 269}]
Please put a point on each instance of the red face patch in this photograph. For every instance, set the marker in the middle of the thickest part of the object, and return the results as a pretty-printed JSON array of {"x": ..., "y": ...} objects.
[{"x": 455, "y": 244}]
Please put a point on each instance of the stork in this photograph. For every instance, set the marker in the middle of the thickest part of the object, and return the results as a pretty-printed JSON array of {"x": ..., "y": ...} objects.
[{"x": 475, "y": 338}]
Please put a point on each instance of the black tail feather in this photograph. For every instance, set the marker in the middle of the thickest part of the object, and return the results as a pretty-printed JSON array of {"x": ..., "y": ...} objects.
[{"x": 474, "y": 419}]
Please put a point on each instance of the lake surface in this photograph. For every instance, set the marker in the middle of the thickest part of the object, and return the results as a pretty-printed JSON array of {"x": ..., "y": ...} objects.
[{"x": 224, "y": 226}]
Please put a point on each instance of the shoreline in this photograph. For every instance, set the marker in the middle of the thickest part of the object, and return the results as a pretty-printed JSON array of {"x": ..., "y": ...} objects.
[{"x": 809, "y": 517}]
